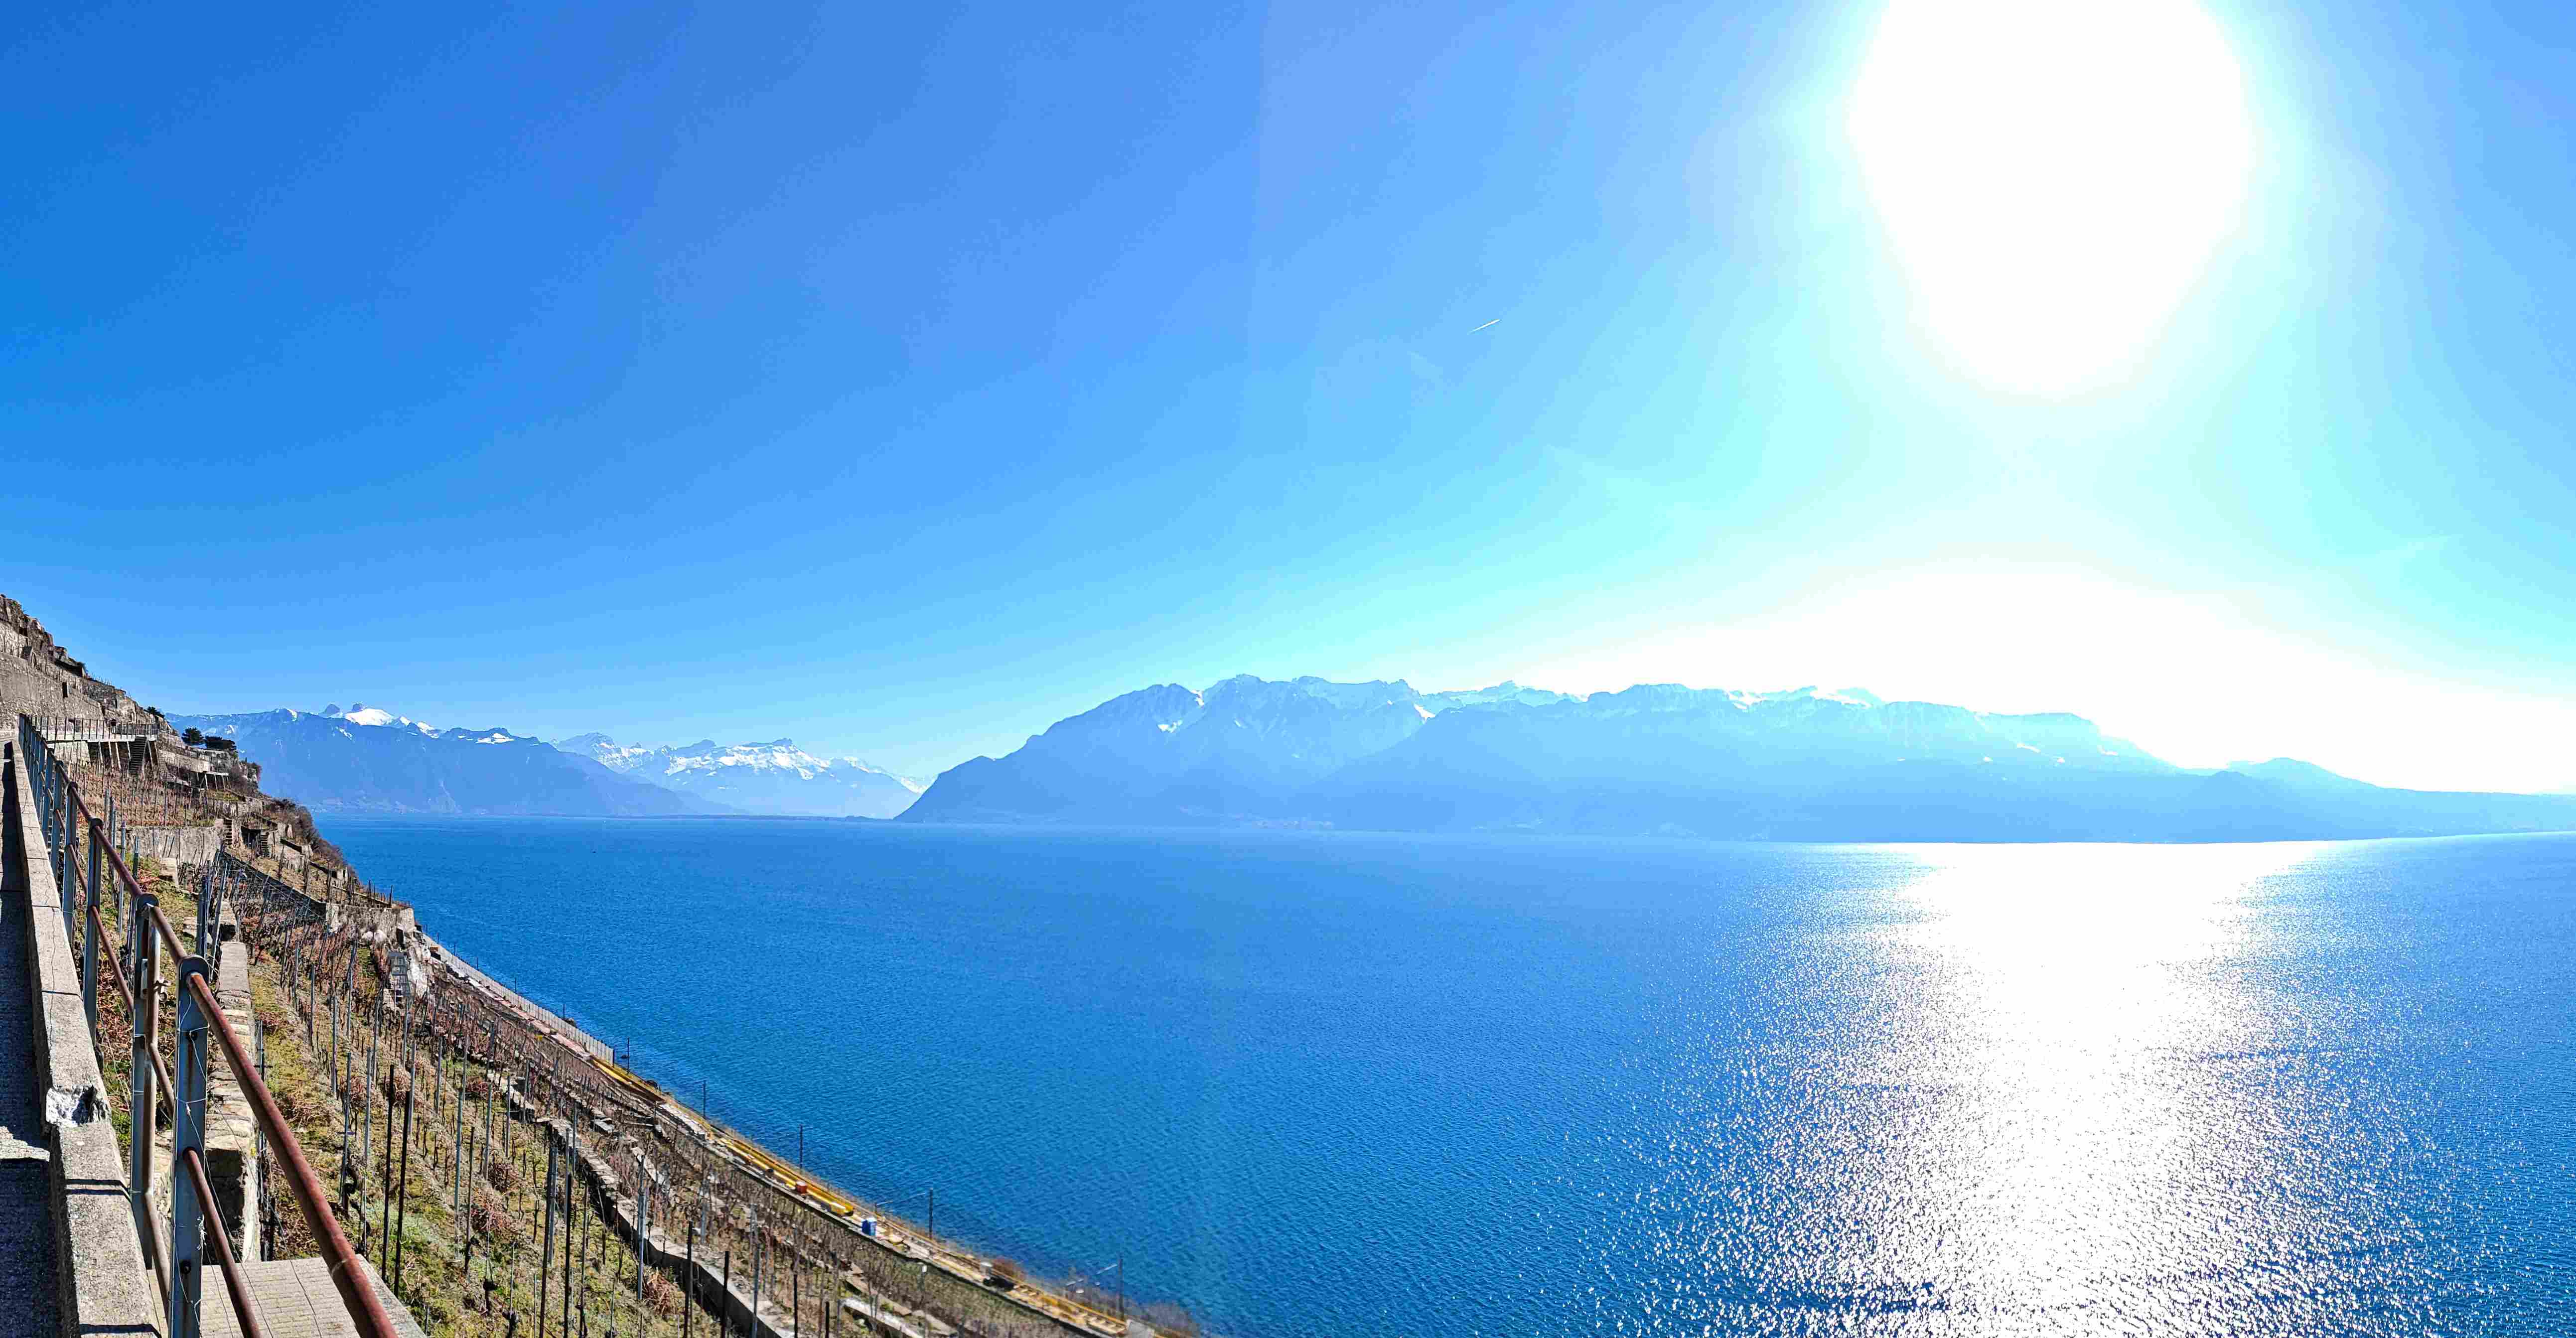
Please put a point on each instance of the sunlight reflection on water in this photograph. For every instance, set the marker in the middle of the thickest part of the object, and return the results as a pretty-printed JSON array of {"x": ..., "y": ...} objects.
[
  {"x": 2084, "y": 1138},
  {"x": 2032, "y": 1090}
]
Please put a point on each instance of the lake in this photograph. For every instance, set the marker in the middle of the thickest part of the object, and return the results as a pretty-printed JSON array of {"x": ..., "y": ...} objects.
[{"x": 1320, "y": 1083}]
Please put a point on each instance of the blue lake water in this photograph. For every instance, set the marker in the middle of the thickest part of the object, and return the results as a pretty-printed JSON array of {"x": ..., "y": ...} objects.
[{"x": 1330, "y": 1083}]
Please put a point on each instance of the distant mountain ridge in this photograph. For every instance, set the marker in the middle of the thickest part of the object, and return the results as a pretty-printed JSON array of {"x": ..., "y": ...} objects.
[
  {"x": 1662, "y": 758},
  {"x": 773, "y": 777},
  {"x": 369, "y": 760}
]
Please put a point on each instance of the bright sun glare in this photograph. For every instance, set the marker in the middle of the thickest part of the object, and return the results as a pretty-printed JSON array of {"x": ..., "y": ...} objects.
[{"x": 2055, "y": 173}]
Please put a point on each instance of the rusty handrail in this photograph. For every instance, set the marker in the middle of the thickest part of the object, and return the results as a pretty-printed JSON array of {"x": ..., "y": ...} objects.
[
  {"x": 346, "y": 1272},
  {"x": 133, "y": 888},
  {"x": 126, "y": 992},
  {"x": 133, "y": 885},
  {"x": 243, "y": 1310}
]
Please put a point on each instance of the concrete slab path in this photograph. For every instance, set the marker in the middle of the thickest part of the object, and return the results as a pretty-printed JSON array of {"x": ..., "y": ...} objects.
[
  {"x": 295, "y": 1298},
  {"x": 28, "y": 1302}
]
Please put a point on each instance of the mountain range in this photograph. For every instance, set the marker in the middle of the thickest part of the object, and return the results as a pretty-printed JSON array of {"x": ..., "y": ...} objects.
[
  {"x": 371, "y": 760},
  {"x": 1660, "y": 758},
  {"x": 774, "y": 777},
  {"x": 1805, "y": 764},
  {"x": 368, "y": 759}
]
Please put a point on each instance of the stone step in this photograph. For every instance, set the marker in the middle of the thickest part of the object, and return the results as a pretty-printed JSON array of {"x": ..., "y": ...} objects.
[{"x": 294, "y": 1298}]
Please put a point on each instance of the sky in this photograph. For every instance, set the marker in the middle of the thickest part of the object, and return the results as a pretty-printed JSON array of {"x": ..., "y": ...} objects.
[{"x": 903, "y": 381}]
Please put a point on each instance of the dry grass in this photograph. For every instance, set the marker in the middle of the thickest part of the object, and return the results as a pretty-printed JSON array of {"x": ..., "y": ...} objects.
[
  {"x": 662, "y": 1296},
  {"x": 444, "y": 1285}
]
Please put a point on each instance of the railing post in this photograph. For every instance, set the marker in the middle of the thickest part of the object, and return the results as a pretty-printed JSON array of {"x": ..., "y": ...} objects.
[
  {"x": 259, "y": 1149},
  {"x": 206, "y": 919},
  {"x": 188, "y": 1138},
  {"x": 89, "y": 927},
  {"x": 67, "y": 873},
  {"x": 53, "y": 795},
  {"x": 144, "y": 955}
]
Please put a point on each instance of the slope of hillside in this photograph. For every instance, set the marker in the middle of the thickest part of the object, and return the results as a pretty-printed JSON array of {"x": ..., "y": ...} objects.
[{"x": 43, "y": 679}]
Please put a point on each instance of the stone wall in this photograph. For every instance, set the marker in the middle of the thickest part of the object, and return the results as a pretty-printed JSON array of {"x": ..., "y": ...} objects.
[
  {"x": 232, "y": 1132},
  {"x": 40, "y": 678},
  {"x": 178, "y": 845},
  {"x": 280, "y": 899}
]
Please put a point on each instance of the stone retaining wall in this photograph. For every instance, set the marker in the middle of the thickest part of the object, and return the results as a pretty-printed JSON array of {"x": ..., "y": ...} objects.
[
  {"x": 280, "y": 899},
  {"x": 232, "y": 1131},
  {"x": 605, "y": 1186},
  {"x": 178, "y": 845}
]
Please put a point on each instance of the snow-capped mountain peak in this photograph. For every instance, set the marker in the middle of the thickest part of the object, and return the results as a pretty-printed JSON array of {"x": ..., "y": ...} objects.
[
  {"x": 772, "y": 777},
  {"x": 366, "y": 760},
  {"x": 359, "y": 713}
]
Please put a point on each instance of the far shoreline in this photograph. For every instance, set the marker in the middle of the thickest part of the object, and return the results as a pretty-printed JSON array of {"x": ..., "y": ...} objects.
[{"x": 1490, "y": 833}]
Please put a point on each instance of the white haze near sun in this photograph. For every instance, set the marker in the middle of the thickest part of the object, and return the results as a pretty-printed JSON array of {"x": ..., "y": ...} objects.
[
  {"x": 2196, "y": 680},
  {"x": 2054, "y": 174}
]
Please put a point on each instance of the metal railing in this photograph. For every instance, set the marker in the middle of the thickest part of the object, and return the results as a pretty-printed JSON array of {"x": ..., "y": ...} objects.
[
  {"x": 201, "y": 1027},
  {"x": 87, "y": 729}
]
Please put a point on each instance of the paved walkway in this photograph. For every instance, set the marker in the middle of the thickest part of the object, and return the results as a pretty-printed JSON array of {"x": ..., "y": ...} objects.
[{"x": 27, "y": 1300}]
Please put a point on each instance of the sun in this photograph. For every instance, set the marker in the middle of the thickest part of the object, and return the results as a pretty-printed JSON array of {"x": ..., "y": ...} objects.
[{"x": 2055, "y": 174}]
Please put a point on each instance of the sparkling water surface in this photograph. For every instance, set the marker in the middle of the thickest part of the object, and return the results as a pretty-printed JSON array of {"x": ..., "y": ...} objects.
[{"x": 1334, "y": 1083}]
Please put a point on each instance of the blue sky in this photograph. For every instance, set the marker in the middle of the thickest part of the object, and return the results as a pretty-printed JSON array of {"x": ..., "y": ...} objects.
[{"x": 901, "y": 382}]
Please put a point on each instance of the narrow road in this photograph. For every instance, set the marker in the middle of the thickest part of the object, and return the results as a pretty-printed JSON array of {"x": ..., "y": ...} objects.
[{"x": 27, "y": 1301}]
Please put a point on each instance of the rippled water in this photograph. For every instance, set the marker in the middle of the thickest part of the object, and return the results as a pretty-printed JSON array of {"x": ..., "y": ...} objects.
[{"x": 1325, "y": 1083}]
